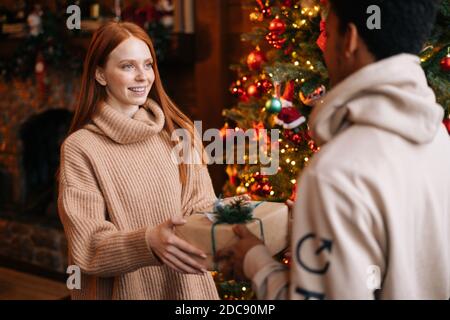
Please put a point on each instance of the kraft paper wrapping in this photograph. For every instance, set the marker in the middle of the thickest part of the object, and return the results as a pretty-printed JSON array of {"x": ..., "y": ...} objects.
[{"x": 274, "y": 217}]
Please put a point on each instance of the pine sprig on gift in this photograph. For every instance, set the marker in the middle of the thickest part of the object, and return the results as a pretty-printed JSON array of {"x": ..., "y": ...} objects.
[{"x": 239, "y": 210}]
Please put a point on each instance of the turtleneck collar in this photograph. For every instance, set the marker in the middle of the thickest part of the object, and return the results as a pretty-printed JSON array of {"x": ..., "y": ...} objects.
[{"x": 147, "y": 121}]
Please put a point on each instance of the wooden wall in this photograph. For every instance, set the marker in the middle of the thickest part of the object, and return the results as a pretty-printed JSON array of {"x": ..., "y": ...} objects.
[{"x": 219, "y": 24}]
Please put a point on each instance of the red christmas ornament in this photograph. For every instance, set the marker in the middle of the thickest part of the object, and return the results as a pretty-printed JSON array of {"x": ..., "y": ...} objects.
[
  {"x": 445, "y": 63},
  {"x": 275, "y": 40},
  {"x": 253, "y": 91},
  {"x": 322, "y": 40},
  {"x": 261, "y": 189},
  {"x": 235, "y": 89},
  {"x": 265, "y": 10},
  {"x": 287, "y": 3},
  {"x": 288, "y": 50},
  {"x": 244, "y": 97},
  {"x": 277, "y": 26},
  {"x": 255, "y": 60},
  {"x": 447, "y": 124},
  {"x": 40, "y": 70},
  {"x": 265, "y": 84}
]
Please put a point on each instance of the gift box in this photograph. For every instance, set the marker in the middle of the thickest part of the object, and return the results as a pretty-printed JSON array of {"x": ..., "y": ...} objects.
[{"x": 269, "y": 223}]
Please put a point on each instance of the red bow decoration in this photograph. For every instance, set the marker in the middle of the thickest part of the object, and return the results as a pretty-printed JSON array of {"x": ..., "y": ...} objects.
[{"x": 322, "y": 40}]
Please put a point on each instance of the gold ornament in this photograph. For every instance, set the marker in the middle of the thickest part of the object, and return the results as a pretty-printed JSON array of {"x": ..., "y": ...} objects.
[
  {"x": 256, "y": 17},
  {"x": 241, "y": 190}
]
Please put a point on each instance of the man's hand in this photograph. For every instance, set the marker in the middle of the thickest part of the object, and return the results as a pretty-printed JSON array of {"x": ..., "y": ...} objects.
[
  {"x": 233, "y": 256},
  {"x": 290, "y": 205}
]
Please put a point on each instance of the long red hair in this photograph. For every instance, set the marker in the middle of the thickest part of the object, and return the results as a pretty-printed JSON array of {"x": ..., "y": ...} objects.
[{"x": 103, "y": 42}]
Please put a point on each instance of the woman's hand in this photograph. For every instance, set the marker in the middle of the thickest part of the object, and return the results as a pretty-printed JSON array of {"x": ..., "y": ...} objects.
[{"x": 174, "y": 251}]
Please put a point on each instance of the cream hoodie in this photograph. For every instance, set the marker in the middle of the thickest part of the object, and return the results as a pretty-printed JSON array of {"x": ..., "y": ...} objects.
[{"x": 373, "y": 207}]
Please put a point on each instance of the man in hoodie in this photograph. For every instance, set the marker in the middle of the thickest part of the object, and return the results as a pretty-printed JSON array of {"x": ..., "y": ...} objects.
[{"x": 372, "y": 217}]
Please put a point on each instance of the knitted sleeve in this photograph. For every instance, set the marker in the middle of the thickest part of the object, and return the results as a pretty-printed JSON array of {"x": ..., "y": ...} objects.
[
  {"x": 95, "y": 244},
  {"x": 198, "y": 193}
]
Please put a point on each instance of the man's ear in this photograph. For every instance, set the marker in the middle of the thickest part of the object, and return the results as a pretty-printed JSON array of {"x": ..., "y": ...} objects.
[
  {"x": 351, "y": 40},
  {"x": 100, "y": 76}
]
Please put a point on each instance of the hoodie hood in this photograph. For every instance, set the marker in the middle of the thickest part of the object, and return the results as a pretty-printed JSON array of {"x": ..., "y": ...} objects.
[{"x": 392, "y": 95}]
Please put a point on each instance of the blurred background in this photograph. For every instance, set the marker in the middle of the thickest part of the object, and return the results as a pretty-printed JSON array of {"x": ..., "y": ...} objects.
[
  {"x": 40, "y": 68},
  {"x": 233, "y": 64}
]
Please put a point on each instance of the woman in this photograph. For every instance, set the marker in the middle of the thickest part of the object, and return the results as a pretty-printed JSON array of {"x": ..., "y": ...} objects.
[{"x": 120, "y": 192}]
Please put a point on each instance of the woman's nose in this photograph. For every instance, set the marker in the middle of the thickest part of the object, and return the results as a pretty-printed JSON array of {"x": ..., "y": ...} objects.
[{"x": 140, "y": 76}]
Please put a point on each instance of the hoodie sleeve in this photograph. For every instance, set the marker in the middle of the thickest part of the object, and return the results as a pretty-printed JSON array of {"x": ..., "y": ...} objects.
[
  {"x": 95, "y": 244},
  {"x": 337, "y": 243},
  {"x": 336, "y": 247}
]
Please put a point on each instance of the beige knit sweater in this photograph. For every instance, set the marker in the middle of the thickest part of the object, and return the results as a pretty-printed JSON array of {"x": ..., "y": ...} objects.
[{"x": 118, "y": 181}]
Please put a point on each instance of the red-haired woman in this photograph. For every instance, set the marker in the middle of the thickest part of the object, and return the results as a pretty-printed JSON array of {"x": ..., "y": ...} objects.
[{"x": 120, "y": 191}]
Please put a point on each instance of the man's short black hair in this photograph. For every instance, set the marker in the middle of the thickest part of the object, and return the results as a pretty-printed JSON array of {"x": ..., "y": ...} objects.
[{"x": 405, "y": 24}]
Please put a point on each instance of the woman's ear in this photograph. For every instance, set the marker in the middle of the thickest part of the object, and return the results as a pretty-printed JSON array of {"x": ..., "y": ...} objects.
[{"x": 100, "y": 76}]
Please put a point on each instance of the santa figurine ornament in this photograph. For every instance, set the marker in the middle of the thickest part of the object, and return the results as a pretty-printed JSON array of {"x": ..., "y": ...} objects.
[{"x": 289, "y": 116}]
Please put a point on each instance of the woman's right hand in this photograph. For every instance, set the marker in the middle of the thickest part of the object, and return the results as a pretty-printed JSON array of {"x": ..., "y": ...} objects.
[{"x": 174, "y": 251}]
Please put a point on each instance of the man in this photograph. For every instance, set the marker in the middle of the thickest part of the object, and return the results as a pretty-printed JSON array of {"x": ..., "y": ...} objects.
[{"x": 372, "y": 217}]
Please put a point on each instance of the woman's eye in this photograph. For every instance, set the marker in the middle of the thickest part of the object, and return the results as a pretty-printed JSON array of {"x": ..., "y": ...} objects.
[
  {"x": 148, "y": 66},
  {"x": 127, "y": 66}
]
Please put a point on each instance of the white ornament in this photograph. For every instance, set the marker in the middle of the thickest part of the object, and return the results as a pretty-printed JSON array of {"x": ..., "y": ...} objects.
[{"x": 35, "y": 23}]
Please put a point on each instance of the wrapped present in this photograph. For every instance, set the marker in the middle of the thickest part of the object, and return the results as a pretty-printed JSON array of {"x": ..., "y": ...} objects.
[{"x": 211, "y": 230}]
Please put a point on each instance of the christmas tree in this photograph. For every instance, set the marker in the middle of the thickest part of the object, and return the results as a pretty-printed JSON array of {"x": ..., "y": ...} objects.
[
  {"x": 435, "y": 59},
  {"x": 277, "y": 85}
]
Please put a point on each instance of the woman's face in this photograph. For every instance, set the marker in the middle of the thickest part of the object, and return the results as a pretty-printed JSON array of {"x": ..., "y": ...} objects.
[{"x": 128, "y": 74}]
